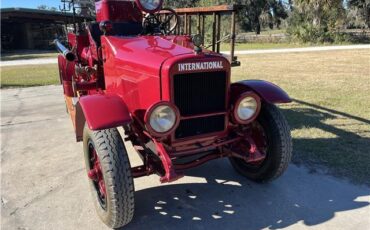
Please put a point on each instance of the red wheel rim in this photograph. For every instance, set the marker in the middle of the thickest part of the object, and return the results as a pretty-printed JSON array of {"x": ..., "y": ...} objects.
[
  {"x": 254, "y": 143},
  {"x": 260, "y": 139},
  {"x": 96, "y": 176},
  {"x": 259, "y": 136}
]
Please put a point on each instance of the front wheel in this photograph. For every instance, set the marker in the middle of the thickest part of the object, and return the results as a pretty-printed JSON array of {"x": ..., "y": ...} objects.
[
  {"x": 272, "y": 133},
  {"x": 109, "y": 171}
]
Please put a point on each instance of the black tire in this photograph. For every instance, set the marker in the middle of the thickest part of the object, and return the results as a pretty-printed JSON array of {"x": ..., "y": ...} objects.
[
  {"x": 279, "y": 150},
  {"x": 118, "y": 207}
]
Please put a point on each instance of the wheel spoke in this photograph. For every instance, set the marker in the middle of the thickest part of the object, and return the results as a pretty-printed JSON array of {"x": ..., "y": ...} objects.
[{"x": 102, "y": 188}]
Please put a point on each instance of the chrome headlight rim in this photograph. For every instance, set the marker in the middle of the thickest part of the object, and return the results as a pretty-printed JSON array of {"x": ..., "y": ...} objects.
[
  {"x": 242, "y": 97},
  {"x": 148, "y": 119},
  {"x": 142, "y": 7}
]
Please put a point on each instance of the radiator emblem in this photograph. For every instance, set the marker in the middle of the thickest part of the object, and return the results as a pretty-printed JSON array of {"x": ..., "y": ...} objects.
[{"x": 183, "y": 67}]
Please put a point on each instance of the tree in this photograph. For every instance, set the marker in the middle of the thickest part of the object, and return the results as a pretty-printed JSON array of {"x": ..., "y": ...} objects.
[
  {"x": 359, "y": 13},
  {"x": 254, "y": 15},
  {"x": 181, "y": 3},
  {"x": 45, "y": 7},
  {"x": 86, "y": 7},
  {"x": 257, "y": 13},
  {"x": 316, "y": 20}
]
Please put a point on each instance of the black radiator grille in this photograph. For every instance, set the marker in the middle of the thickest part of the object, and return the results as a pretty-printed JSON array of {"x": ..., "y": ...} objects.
[
  {"x": 200, "y": 126},
  {"x": 200, "y": 93}
]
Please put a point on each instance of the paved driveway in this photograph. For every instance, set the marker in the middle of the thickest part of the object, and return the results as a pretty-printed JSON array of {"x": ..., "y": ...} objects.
[{"x": 44, "y": 185}]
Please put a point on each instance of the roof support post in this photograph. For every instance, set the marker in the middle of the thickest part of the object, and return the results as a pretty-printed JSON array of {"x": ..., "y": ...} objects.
[
  {"x": 218, "y": 46},
  {"x": 199, "y": 23},
  {"x": 232, "y": 40},
  {"x": 203, "y": 32},
  {"x": 189, "y": 25},
  {"x": 214, "y": 33},
  {"x": 186, "y": 24}
]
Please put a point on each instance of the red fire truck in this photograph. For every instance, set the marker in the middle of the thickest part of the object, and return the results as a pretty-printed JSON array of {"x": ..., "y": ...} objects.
[{"x": 139, "y": 66}]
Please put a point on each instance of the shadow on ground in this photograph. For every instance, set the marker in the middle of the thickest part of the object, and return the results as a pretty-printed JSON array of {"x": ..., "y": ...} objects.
[
  {"x": 345, "y": 152},
  {"x": 228, "y": 201}
]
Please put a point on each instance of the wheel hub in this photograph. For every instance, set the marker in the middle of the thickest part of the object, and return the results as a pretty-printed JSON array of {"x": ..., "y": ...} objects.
[
  {"x": 254, "y": 142},
  {"x": 257, "y": 140}
]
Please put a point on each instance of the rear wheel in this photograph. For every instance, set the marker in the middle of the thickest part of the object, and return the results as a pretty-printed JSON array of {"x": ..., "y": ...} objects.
[
  {"x": 271, "y": 133},
  {"x": 109, "y": 171}
]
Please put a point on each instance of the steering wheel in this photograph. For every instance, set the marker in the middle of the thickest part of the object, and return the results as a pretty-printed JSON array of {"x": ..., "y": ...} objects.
[{"x": 153, "y": 24}]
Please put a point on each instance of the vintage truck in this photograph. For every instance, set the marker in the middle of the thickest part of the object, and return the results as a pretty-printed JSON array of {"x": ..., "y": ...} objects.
[{"x": 138, "y": 67}]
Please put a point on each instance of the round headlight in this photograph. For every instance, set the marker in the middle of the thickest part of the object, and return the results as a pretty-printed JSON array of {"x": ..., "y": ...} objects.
[
  {"x": 162, "y": 118},
  {"x": 247, "y": 108},
  {"x": 150, "y": 6}
]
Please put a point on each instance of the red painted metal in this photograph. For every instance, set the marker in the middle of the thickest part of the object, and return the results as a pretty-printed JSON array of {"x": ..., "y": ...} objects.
[
  {"x": 78, "y": 42},
  {"x": 249, "y": 147},
  {"x": 184, "y": 41},
  {"x": 117, "y": 11},
  {"x": 104, "y": 111},
  {"x": 199, "y": 161},
  {"x": 95, "y": 174},
  {"x": 66, "y": 73},
  {"x": 255, "y": 154},
  {"x": 203, "y": 115},
  {"x": 132, "y": 68},
  {"x": 259, "y": 143},
  {"x": 268, "y": 91},
  {"x": 170, "y": 173},
  {"x": 77, "y": 117},
  {"x": 117, "y": 81},
  {"x": 199, "y": 149},
  {"x": 90, "y": 54},
  {"x": 252, "y": 145},
  {"x": 171, "y": 68}
]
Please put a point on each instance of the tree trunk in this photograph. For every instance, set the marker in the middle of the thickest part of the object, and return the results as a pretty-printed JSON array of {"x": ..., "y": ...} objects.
[
  {"x": 258, "y": 26},
  {"x": 367, "y": 14},
  {"x": 317, "y": 14}
]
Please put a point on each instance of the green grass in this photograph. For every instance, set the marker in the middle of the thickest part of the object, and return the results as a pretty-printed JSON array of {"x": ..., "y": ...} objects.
[
  {"x": 30, "y": 75},
  {"x": 26, "y": 55},
  {"x": 330, "y": 118},
  {"x": 268, "y": 32},
  {"x": 258, "y": 46}
]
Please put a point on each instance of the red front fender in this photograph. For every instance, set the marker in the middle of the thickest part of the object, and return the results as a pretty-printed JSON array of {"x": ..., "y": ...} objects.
[
  {"x": 268, "y": 91},
  {"x": 104, "y": 111}
]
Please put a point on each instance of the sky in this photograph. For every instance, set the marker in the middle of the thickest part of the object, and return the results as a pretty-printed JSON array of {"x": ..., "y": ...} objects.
[{"x": 28, "y": 3}]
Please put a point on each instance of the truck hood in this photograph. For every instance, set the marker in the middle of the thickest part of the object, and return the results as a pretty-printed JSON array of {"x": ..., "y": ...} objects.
[{"x": 145, "y": 53}]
